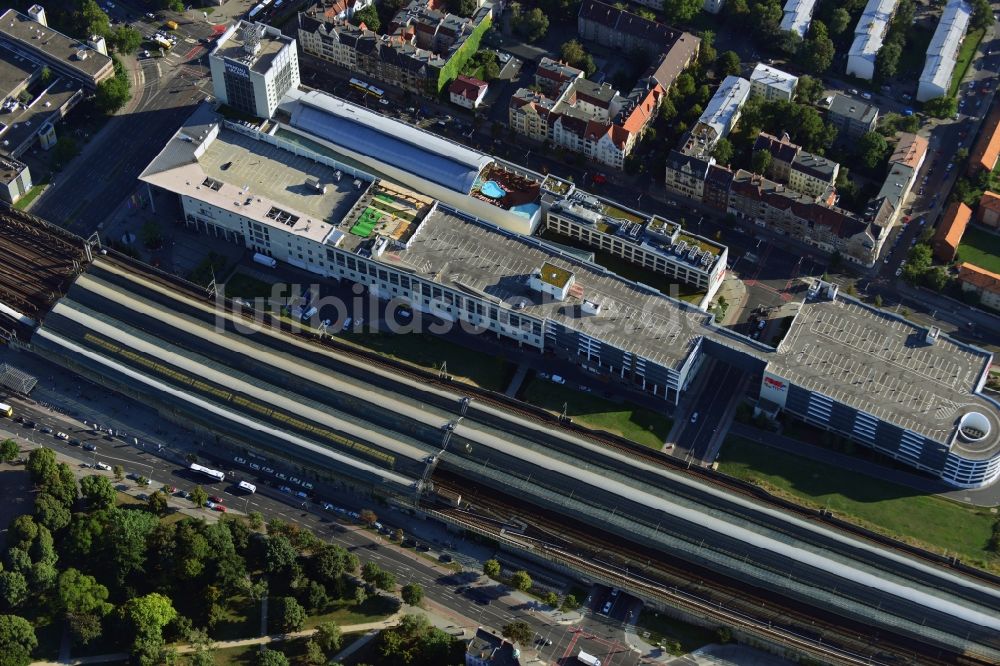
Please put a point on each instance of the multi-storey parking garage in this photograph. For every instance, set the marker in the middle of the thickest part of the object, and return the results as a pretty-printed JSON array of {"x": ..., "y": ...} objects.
[{"x": 328, "y": 412}]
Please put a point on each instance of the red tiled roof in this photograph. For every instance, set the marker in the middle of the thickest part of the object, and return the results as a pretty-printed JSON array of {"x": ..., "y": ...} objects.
[
  {"x": 952, "y": 228},
  {"x": 990, "y": 200},
  {"x": 979, "y": 277},
  {"x": 467, "y": 87},
  {"x": 987, "y": 149}
]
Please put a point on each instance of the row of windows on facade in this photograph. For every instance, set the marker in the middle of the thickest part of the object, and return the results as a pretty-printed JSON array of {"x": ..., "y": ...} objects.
[{"x": 438, "y": 294}]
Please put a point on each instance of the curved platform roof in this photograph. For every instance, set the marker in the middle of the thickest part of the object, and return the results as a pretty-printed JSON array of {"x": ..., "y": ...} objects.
[{"x": 398, "y": 144}]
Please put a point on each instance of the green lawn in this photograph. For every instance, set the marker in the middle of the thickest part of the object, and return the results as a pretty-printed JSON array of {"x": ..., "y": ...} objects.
[
  {"x": 630, "y": 271},
  {"x": 31, "y": 195},
  {"x": 659, "y": 629},
  {"x": 930, "y": 522},
  {"x": 245, "y": 286},
  {"x": 241, "y": 620},
  {"x": 980, "y": 247},
  {"x": 345, "y": 612},
  {"x": 641, "y": 425},
  {"x": 429, "y": 352},
  {"x": 965, "y": 55}
]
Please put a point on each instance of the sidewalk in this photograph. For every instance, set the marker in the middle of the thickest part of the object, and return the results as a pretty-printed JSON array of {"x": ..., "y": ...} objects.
[{"x": 223, "y": 645}]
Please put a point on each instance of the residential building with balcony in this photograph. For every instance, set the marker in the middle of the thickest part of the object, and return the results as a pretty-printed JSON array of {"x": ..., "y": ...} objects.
[
  {"x": 813, "y": 175},
  {"x": 869, "y": 34}
]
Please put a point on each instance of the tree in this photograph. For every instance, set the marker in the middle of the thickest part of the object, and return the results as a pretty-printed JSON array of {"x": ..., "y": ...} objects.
[
  {"x": 887, "y": 61},
  {"x": 314, "y": 655},
  {"x": 520, "y": 580},
  {"x": 17, "y": 641},
  {"x": 157, "y": 503},
  {"x": 684, "y": 84},
  {"x": 316, "y": 596},
  {"x": 397, "y": 534},
  {"x": 706, "y": 51},
  {"x": 809, "y": 89},
  {"x": 681, "y": 11},
  {"x": 151, "y": 235},
  {"x": 878, "y": 300},
  {"x": 765, "y": 19},
  {"x": 570, "y": 602},
  {"x": 199, "y": 496},
  {"x": 840, "y": 21},
  {"x": 51, "y": 512},
  {"x": 41, "y": 465},
  {"x": 552, "y": 599},
  {"x": 23, "y": 530},
  {"x": 77, "y": 593},
  {"x": 9, "y": 451},
  {"x": 936, "y": 278},
  {"x": 271, "y": 658},
  {"x": 385, "y": 580},
  {"x": 146, "y": 616},
  {"x": 13, "y": 588},
  {"x": 531, "y": 25},
  {"x": 329, "y": 638},
  {"x": 279, "y": 553},
  {"x": 462, "y": 7},
  {"x": 872, "y": 148},
  {"x": 368, "y": 517},
  {"x": 723, "y": 151},
  {"x": 667, "y": 110},
  {"x": 90, "y": 20},
  {"x": 491, "y": 568},
  {"x": 118, "y": 472},
  {"x": 761, "y": 161},
  {"x": 127, "y": 531},
  {"x": 85, "y": 628},
  {"x": 573, "y": 53},
  {"x": 728, "y": 64},
  {"x": 370, "y": 572},
  {"x": 518, "y": 632},
  {"x": 98, "y": 492},
  {"x": 368, "y": 16},
  {"x": 287, "y": 614},
  {"x": 126, "y": 39},
  {"x": 818, "y": 50},
  {"x": 982, "y": 15},
  {"x": 412, "y": 594},
  {"x": 113, "y": 94}
]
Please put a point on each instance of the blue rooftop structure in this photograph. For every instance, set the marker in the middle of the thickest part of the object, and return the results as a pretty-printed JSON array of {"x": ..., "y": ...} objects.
[{"x": 397, "y": 144}]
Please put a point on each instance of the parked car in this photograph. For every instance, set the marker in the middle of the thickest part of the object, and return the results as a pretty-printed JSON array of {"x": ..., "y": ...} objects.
[
  {"x": 62, "y": 436},
  {"x": 558, "y": 380},
  {"x": 216, "y": 499},
  {"x": 47, "y": 430},
  {"x": 694, "y": 417},
  {"x": 74, "y": 442},
  {"x": 105, "y": 466},
  {"x": 219, "y": 507},
  {"x": 89, "y": 447}
]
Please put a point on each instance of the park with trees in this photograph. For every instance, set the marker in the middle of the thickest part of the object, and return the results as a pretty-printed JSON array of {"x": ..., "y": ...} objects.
[{"x": 118, "y": 575}]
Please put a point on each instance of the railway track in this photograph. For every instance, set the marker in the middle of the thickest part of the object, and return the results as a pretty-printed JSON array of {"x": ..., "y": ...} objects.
[
  {"x": 645, "y": 571},
  {"x": 529, "y": 412}
]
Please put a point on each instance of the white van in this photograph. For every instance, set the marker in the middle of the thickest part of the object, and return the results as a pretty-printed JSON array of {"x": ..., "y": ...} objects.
[{"x": 558, "y": 380}]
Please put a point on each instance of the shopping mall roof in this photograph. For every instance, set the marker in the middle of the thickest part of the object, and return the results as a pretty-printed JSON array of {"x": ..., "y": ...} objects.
[
  {"x": 399, "y": 144},
  {"x": 252, "y": 178},
  {"x": 885, "y": 366},
  {"x": 476, "y": 259}
]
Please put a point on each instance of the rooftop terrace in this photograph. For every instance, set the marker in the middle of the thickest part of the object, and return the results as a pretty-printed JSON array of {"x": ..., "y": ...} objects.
[{"x": 884, "y": 365}]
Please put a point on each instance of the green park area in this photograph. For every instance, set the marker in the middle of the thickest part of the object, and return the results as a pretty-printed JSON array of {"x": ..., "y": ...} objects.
[
  {"x": 980, "y": 247},
  {"x": 639, "y": 424},
  {"x": 242, "y": 285},
  {"x": 933, "y": 523},
  {"x": 430, "y": 352},
  {"x": 965, "y": 55}
]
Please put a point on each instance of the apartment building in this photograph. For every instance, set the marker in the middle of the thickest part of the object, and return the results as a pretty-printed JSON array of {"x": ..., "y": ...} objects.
[
  {"x": 985, "y": 284},
  {"x": 421, "y": 51},
  {"x": 813, "y": 175},
  {"x": 869, "y": 34},
  {"x": 949, "y": 232},
  {"x": 942, "y": 52},
  {"x": 783, "y": 152},
  {"x": 772, "y": 83},
  {"x": 253, "y": 65},
  {"x": 616, "y": 28},
  {"x": 852, "y": 118},
  {"x": 654, "y": 243}
]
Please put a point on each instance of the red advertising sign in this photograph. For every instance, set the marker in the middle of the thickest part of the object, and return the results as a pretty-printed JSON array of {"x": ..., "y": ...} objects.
[{"x": 775, "y": 384}]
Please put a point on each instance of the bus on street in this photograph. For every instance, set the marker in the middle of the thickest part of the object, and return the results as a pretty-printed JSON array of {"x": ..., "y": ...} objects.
[{"x": 213, "y": 474}]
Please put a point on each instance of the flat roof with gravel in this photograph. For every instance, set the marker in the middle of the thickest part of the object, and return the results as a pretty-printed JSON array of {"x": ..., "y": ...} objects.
[{"x": 884, "y": 365}]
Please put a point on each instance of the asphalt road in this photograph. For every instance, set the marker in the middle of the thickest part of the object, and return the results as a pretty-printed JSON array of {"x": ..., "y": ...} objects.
[
  {"x": 165, "y": 92},
  {"x": 478, "y": 601},
  {"x": 707, "y": 413}
]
